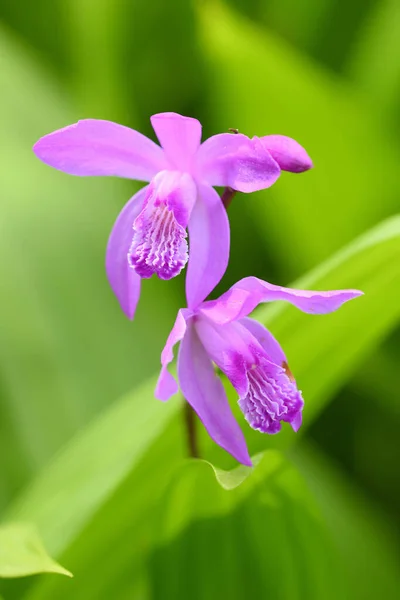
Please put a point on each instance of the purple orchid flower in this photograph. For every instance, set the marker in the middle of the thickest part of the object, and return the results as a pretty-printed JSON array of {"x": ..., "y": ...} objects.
[
  {"x": 149, "y": 235},
  {"x": 220, "y": 332}
]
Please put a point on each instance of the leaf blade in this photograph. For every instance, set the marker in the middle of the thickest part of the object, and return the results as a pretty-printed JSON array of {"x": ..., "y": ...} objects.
[{"x": 22, "y": 553}]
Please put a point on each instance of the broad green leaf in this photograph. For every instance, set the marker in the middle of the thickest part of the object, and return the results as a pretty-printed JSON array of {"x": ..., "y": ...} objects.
[
  {"x": 322, "y": 350},
  {"x": 22, "y": 552},
  {"x": 278, "y": 535},
  {"x": 262, "y": 85},
  {"x": 82, "y": 477},
  {"x": 362, "y": 534}
]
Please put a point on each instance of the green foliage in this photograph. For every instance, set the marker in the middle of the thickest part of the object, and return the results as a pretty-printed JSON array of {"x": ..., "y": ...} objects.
[
  {"x": 22, "y": 553},
  {"x": 97, "y": 469},
  {"x": 90, "y": 471}
]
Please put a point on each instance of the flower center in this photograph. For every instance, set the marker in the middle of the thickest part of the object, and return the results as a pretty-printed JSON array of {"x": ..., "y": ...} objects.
[
  {"x": 159, "y": 244},
  {"x": 271, "y": 397}
]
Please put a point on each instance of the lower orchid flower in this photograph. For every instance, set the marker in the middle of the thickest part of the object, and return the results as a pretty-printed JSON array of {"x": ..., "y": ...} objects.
[
  {"x": 149, "y": 236},
  {"x": 220, "y": 332}
]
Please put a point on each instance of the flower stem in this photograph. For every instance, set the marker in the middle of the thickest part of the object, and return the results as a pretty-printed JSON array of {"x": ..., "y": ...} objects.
[
  {"x": 191, "y": 431},
  {"x": 229, "y": 193},
  {"x": 189, "y": 414},
  {"x": 227, "y": 196}
]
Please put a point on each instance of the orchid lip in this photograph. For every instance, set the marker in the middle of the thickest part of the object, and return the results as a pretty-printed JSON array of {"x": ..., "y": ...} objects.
[
  {"x": 159, "y": 248},
  {"x": 271, "y": 397},
  {"x": 159, "y": 243}
]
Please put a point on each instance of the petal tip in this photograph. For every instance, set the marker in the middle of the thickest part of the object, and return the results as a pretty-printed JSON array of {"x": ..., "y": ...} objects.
[
  {"x": 297, "y": 421},
  {"x": 247, "y": 462},
  {"x": 166, "y": 386}
]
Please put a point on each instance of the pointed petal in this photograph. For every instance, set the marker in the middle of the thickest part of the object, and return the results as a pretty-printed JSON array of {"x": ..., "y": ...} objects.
[
  {"x": 244, "y": 296},
  {"x": 209, "y": 241},
  {"x": 297, "y": 421},
  {"x": 288, "y": 153},
  {"x": 124, "y": 282},
  {"x": 95, "y": 147},
  {"x": 265, "y": 338},
  {"x": 179, "y": 136},
  {"x": 235, "y": 161},
  {"x": 166, "y": 384},
  {"x": 205, "y": 393}
]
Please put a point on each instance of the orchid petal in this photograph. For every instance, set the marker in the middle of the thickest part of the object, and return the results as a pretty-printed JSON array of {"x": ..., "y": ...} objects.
[
  {"x": 288, "y": 153},
  {"x": 179, "y": 136},
  {"x": 166, "y": 384},
  {"x": 205, "y": 393},
  {"x": 243, "y": 297},
  {"x": 209, "y": 240},
  {"x": 95, "y": 147},
  {"x": 266, "y": 340},
  {"x": 297, "y": 421},
  {"x": 230, "y": 348},
  {"x": 235, "y": 161},
  {"x": 124, "y": 282}
]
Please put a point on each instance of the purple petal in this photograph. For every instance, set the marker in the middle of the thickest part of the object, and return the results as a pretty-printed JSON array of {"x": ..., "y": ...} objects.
[
  {"x": 209, "y": 240},
  {"x": 159, "y": 236},
  {"x": 297, "y": 421},
  {"x": 95, "y": 147},
  {"x": 166, "y": 385},
  {"x": 179, "y": 136},
  {"x": 265, "y": 338},
  {"x": 124, "y": 282},
  {"x": 235, "y": 161},
  {"x": 288, "y": 153},
  {"x": 205, "y": 393},
  {"x": 244, "y": 296}
]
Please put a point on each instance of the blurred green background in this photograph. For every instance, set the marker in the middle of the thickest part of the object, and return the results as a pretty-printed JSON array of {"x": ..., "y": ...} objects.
[{"x": 86, "y": 453}]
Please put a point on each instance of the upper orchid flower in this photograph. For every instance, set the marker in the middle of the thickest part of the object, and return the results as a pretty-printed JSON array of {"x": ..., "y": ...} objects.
[
  {"x": 149, "y": 235},
  {"x": 219, "y": 331}
]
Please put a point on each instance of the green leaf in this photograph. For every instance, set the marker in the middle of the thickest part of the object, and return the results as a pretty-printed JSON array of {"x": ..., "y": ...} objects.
[
  {"x": 294, "y": 529},
  {"x": 22, "y": 552},
  {"x": 362, "y": 534},
  {"x": 229, "y": 480},
  {"x": 264, "y": 538},
  {"x": 88, "y": 471}
]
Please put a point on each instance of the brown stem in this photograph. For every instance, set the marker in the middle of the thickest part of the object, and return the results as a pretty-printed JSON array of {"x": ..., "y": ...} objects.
[
  {"x": 191, "y": 431},
  {"x": 189, "y": 414},
  {"x": 228, "y": 193},
  {"x": 227, "y": 196}
]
